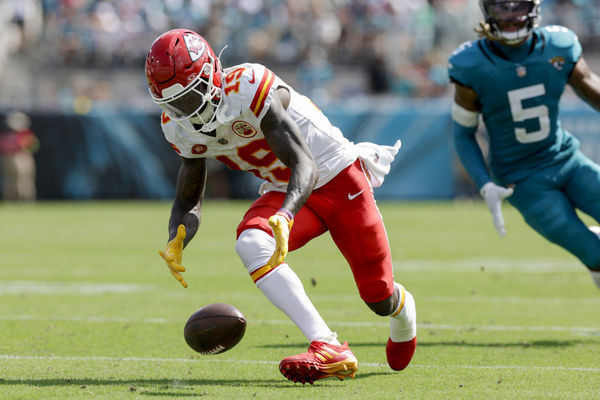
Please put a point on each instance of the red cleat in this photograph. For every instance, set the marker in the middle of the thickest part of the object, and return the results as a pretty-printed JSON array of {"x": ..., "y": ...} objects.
[
  {"x": 322, "y": 360},
  {"x": 400, "y": 354}
]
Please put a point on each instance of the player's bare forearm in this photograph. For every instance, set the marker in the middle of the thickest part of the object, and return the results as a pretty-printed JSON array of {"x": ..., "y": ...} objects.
[
  {"x": 586, "y": 83},
  {"x": 466, "y": 97},
  {"x": 187, "y": 206},
  {"x": 285, "y": 139}
]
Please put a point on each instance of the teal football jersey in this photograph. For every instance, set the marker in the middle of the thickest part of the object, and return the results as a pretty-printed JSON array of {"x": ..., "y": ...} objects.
[{"x": 519, "y": 100}]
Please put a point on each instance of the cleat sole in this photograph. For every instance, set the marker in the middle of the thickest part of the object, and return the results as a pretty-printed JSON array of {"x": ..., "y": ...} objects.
[{"x": 308, "y": 372}]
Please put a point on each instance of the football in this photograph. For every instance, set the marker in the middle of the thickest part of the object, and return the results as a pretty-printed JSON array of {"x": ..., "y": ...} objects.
[{"x": 215, "y": 328}]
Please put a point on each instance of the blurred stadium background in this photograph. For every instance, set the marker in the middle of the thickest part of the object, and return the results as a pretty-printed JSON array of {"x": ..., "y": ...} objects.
[{"x": 377, "y": 68}]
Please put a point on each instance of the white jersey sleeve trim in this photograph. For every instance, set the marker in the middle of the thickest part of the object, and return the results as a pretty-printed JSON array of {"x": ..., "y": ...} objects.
[{"x": 464, "y": 117}]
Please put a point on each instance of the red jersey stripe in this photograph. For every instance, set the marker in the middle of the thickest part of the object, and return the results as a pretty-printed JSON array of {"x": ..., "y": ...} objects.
[{"x": 260, "y": 97}]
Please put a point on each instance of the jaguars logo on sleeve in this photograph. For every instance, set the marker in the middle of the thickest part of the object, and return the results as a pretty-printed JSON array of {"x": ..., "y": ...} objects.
[{"x": 563, "y": 49}]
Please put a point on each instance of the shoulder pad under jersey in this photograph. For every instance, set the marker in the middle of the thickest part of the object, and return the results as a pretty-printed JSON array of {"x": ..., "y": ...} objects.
[
  {"x": 463, "y": 60},
  {"x": 562, "y": 39},
  {"x": 247, "y": 87}
]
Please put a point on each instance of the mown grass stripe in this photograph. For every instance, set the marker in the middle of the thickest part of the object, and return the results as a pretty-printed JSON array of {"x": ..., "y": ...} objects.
[
  {"x": 209, "y": 360},
  {"x": 100, "y": 319}
]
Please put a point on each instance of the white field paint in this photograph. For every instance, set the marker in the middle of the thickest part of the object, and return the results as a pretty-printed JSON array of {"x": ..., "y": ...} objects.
[
  {"x": 258, "y": 362},
  {"x": 77, "y": 288},
  {"x": 588, "y": 330}
]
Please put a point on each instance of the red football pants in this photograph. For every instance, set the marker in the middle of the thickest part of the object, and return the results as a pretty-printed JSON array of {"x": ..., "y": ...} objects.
[{"x": 345, "y": 206}]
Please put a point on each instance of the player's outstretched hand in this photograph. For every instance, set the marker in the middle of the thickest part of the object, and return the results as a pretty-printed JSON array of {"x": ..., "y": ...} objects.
[
  {"x": 281, "y": 222},
  {"x": 172, "y": 255},
  {"x": 493, "y": 195}
]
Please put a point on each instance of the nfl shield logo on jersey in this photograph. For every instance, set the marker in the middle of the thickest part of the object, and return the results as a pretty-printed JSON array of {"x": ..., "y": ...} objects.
[{"x": 521, "y": 71}]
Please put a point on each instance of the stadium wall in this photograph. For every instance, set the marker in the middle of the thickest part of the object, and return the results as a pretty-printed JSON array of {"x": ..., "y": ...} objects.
[{"x": 123, "y": 155}]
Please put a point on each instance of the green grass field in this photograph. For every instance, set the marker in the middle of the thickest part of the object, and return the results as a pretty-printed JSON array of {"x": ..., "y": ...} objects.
[{"x": 88, "y": 309}]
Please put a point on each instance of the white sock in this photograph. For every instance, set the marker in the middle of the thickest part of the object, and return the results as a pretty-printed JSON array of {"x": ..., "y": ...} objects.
[
  {"x": 331, "y": 339},
  {"x": 403, "y": 326},
  {"x": 285, "y": 290},
  {"x": 596, "y": 277}
]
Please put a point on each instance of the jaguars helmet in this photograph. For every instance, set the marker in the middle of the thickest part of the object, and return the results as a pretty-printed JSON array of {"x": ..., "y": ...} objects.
[
  {"x": 509, "y": 21},
  {"x": 184, "y": 77}
]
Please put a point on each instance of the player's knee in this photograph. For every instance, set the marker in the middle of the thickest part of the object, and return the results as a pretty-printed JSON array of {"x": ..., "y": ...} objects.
[
  {"x": 254, "y": 247},
  {"x": 554, "y": 225},
  {"x": 385, "y": 307}
]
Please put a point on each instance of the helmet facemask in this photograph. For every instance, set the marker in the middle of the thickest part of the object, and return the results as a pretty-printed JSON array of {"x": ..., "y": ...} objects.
[
  {"x": 196, "y": 103},
  {"x": 184, "y": 78},
  {"x": 508, "y": 21}
]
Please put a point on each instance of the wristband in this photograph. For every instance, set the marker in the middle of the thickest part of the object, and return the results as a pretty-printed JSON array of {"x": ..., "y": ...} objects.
[{"x": 286, "y": 213}]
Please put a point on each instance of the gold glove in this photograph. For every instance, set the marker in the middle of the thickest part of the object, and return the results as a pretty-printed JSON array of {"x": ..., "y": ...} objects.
[
  {"x": 281, "y": 223},
  {"x": 172, "y": 255}
]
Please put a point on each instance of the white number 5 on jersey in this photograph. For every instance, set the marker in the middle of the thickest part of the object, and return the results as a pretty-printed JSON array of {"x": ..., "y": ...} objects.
[{"x": 519, "y": 114}]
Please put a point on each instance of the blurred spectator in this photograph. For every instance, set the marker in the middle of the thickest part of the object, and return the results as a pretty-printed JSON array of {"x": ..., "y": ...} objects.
[
  {"x": 17, "y": 145},
  {"x": 314, "y": 74},
  {"x": 396, "y": 47}
]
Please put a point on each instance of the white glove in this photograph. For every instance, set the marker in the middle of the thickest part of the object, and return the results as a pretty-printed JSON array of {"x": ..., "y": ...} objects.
[{"x": 493, "y": 195}]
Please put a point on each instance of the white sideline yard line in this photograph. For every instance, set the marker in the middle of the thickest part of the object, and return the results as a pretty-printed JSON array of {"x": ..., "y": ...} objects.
[
  {"x": 510, "y": 328},
  {"x": 200, "y": 361}
]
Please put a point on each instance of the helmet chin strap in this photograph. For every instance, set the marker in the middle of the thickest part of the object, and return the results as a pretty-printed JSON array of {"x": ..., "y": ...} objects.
[{"x": 206, "y": 115}]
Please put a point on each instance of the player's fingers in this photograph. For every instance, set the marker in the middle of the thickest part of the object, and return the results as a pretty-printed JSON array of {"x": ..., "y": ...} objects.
[
  {"x": 507, "y": 193},
  {"x": 500, "y": 228},
  {"x": 168, "y": 257},
  {"x": 499, "y": 222},
  {"x": 178, "y": 276},
  {"x": 502, "y": 232},
  {"x": 176, "y": 267}
]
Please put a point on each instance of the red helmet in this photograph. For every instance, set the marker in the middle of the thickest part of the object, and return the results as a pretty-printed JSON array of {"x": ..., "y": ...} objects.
[{"x": 184, "y": 76}]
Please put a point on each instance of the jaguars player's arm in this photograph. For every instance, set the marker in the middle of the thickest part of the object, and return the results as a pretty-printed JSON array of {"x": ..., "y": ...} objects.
[
  {"x": 285, "y": 139},
  {"x": 586, "y": 83},
  {"x": 465, "y": 119},
  {"x": 186, "y": 213}
]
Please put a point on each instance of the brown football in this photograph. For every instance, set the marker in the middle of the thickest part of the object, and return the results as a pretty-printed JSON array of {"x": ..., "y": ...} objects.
[{"x": 214, "y": 328}]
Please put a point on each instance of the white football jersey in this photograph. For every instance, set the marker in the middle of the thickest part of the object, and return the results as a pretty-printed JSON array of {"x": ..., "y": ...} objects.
[{"x": 247, "y": 91}]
